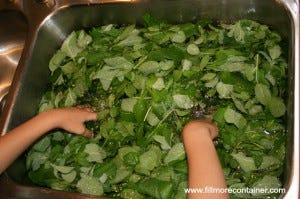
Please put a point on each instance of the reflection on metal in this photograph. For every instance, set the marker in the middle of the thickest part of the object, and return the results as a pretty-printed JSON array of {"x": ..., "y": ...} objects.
[
  {"x": 48, "y": 3},
  {"x": 12, "y": 37}
]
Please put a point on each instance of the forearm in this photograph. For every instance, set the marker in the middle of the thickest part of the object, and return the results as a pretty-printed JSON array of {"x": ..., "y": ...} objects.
[
  {"x": 205, "y": 170},
  {"x": 20, "y": 138}
]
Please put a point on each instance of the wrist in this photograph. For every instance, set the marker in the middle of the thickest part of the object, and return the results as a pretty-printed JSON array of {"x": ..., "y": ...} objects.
[{"x": 50, "y": 119}]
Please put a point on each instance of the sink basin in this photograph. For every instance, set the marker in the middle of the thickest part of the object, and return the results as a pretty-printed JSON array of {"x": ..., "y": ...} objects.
[
  {"x": 12, "y": 38},
  {"x": 51, "y": 23}
]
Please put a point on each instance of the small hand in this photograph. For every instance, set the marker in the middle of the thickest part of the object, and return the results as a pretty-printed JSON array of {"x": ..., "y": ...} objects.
[
  {"x": 200, "y": 128},
  {"x": 73, "y": 119}
]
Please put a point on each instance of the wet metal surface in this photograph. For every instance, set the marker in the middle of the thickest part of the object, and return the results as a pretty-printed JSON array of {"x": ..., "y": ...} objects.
[{"x": 12, "y": 38}]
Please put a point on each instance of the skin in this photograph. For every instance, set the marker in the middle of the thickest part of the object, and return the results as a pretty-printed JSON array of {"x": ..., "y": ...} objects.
[
  {"x": 203, "y": 163},
  {"x": 20, "y": 138}
]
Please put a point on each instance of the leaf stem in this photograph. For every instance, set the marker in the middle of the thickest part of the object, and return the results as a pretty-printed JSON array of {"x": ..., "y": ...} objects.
[
  {"x": 140, "y": 62},
  {"x": 149, "y": 109},
  {"x": 256, "y": 67}
]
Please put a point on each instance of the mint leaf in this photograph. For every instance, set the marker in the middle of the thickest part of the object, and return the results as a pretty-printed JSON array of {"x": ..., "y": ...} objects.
[
  {"x": 277, "y": 107},
  {"x": 246, "y": 163},
  {"x": 149, "y": 67},
  {"x": 90, "y": 185},
  {"x": 263, "y": 94},
  {"x": 224, "y": 90},
  {"x": 176, "y": 153},
  {"x": 70, "y": 46},
  {"x": 183, "y": 101},
  {"x": 231, "y": 116},
  {"x": 128, "y": 104},
  {"x": 275, "y": 52},
  {"x": 95, "y": 153}
]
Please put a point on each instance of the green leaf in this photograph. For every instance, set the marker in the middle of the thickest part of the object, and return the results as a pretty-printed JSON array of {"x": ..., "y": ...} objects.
[
  {"x": 233, "y": 117},
  {"x": 121, "y": 174},
  {"x": 193, "y": 49},
  {"x": 128, "y": 104},
  {"x": 130, "y": 194},
  {"x": 277, "y": 107},
  {"x": 149, "y": 67},
  {"x": 163, "y": 142},
  {"x": 275, "y": 52},
  {"x": 42, "y": 144},
  {"x": 42, "y": 177},
  {"x": 140, "y": 109},
  {"x": 159, "y": 84},
  {"x": 152, "y": 119},
  {"x": 171, "y": 53},
  {"x": 208, "y": 76},
  {"x": 71, "y": 98},
  {"x": 70, "y": 46},
  {"x": 268, "y": 161},
  {"x": 149, "y": 20},
  {"x": 253, "y": 110},
  {"x": 212, "y": 83},
  {"x": 148, "y": 161},
  {"x": 62, "y": 169},
  {"x": 95, "y": 153},
  {"x": 69, "y": 68},
  {"x": 183, "y": 101},
  {"x": 116, "y": 67},
  {"x": 186, "y": 64},
  {"x": 233, "y": 66},
  {"x": 90, "y": 185},
  {"x": 239, "y": 105},
  {"x": 237, "y": 32},
  {"x": 130, "y": 41},
  {"x": 246, "y": 163},
  {"x": 224, "y": 90},
  {"x": 56, "y": 60},
  {"x": 175, "y": 154},
  {"x": 36, "y": 159},
  {"x": 179, "y": 37},
  {"x": 180, "y": 191},
  {"x": 69, "y": 177},
  {"x": 83, "y": 39},
  {"x": 262, "y": 94},
  {"x": 119, "y": 63},
  {"x": 268, "y": 182},
  {"x": 156, "y": 188}
]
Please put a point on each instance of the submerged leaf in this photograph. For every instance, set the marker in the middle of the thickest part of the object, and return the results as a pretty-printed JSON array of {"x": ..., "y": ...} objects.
[
  {"x": 231, "y": 116},
  {"x": 90, "y": 185},
  {"x": 277, "y": 107},
  {"x": 183, "y": 101},
  {"x": 262, "y": 94}
]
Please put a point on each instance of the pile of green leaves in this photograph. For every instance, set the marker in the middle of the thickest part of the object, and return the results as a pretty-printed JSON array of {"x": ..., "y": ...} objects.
[{"x": 146, "y": 83}]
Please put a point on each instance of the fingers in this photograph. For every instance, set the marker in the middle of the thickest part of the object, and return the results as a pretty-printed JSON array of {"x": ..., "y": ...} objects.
[
  {"x": 91, "y": 117},
  {"x": 90, "y": 114},
  {"x": 87, "y": 133},
  {"x": 202, "y": 127},
  {"x": 86, "y": 108},
  {"x": 75, "y": 117}
]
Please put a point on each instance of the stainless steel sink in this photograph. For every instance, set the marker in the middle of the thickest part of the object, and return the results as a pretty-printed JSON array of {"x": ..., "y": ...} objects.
[
  {"x": 12, "y": 38},
  {"x": 50, "y": 21}
]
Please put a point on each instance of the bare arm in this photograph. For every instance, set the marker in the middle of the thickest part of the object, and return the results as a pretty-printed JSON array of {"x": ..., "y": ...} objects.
[
  {"x": 19, "y": 139},
  {"x": 205, "y": 171}
]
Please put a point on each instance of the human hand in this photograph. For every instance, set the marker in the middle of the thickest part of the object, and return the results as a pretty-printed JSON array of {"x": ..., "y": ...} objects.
[
  {"x": 72, "y": 119},
  {"x": 200, "y": 128}
]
